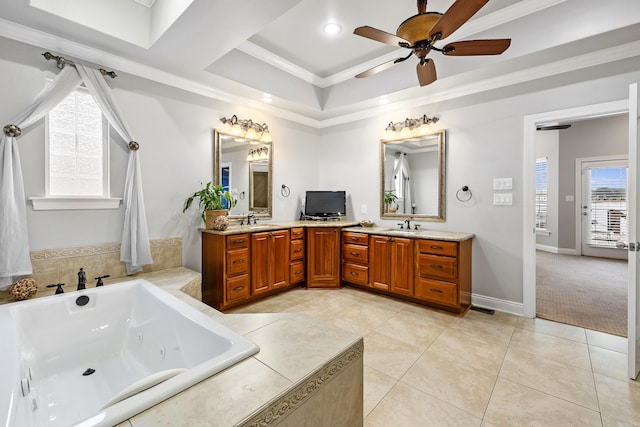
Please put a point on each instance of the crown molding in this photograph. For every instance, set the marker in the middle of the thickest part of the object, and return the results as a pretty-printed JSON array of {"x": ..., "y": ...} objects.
[{"x": 408, "y": 98}]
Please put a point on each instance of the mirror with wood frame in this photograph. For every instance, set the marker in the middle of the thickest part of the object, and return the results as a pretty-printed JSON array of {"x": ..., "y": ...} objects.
[
  {"x": 412, "y": 177},
  {"x": 245, "y": 168}
]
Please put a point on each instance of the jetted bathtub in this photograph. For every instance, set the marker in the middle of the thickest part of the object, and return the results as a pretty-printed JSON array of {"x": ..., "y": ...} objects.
[{"x": 130, "y": 346}]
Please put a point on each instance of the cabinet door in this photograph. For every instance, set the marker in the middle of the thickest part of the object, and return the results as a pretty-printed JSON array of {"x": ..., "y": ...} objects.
[
  {"x": 323, "y": 257},
  {"x": 260, "y": 263},
  {"x": 402, "y": 261},
  {"x": 279, "y": 258},
  {"x": 379, "y": 267}
]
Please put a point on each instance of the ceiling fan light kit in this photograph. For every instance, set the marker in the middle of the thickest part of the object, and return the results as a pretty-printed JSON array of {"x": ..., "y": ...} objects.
[{"x": 420, "y": 32}]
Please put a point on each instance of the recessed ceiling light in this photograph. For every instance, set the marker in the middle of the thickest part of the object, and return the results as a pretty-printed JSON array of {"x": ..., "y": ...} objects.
[
  {"x": 331, "y": 28},
  {"x": 147, "y": 3},
  {"x": 383, "y": 100},
  {"x": 266, "y": 98}
]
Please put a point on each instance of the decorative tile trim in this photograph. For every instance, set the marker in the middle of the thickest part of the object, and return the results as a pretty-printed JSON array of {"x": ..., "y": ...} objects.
[
  {"x": 288, "y": 403},
  {"x": 97, "y": 249}
]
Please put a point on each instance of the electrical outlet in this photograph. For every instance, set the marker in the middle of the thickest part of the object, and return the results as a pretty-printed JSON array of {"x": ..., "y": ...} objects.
[{"x": 363, "y": 209}]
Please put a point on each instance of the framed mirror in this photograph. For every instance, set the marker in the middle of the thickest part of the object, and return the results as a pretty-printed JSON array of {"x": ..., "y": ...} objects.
[
  {"x": 412, "y": 177},
  {"x": 245, "y": 168}
]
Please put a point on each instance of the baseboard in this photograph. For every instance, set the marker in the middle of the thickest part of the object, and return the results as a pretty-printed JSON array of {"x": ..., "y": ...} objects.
[
  {"x": 555, "y": 250},
  {"x": 505, "y": 306}
]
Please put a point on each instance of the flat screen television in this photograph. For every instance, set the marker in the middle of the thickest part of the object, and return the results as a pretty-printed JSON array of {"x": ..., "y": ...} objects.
[{"x": 325, "y": 204}]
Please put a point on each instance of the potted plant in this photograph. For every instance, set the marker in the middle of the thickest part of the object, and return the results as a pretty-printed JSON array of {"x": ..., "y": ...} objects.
[
  {"x": 390, "y": 201},
  {"x": 213, "y": 202}
]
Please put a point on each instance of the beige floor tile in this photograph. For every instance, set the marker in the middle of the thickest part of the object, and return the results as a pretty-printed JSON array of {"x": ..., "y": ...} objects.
[
  {"x": 470, "y": 350},
  {"x": 513, "y": 404},
  {"x": 389, "y": 355},
  {"x": 498, "y": 327},
  {"x": 458, "y": 384},
  {"x": 610, "y": 342},
  {"x": 619, "y": 399},
  {"x": 365, "y": 316},
  {"x": 556, "y": 329},
  {"x": 557, "y": 379},
  {"x": 376, "y": 386},
  {"x": 405, "y": 406},
  {"x": 411, "y": 329},
  {"x": 553, "y": 348},
  {"x": 438, "y": 317},
  {"x": 615, "y": 422},
  {"x": 609, "y": 363}
]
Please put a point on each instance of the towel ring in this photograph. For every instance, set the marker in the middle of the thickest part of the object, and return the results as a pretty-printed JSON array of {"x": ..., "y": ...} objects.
[
  {"x": 460, "y": 194},
  {"x": 285, "y": 191}
]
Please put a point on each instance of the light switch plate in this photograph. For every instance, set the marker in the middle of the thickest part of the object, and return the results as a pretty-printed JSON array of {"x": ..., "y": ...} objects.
[
  {"x": 503, "y": 199},
  {"x": 363, "y": 209},
  {"x": 502, "y": 183}
]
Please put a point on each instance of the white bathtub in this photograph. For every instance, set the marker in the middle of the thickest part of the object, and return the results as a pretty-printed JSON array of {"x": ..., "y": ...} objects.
[{"x": 143, "y": 344}]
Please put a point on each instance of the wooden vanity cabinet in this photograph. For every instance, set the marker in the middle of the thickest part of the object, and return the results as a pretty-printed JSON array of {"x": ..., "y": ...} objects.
[
  {"x": 443, "y": 274},
  {"x": 296, "y": 266},
  {"x": 355, "y": 258},
  {"x": 391, "y": 264},
  {"x": 226, "y": 265},
  {"x": 323, "y": 257},
  {"x": 270, "y": 260}
]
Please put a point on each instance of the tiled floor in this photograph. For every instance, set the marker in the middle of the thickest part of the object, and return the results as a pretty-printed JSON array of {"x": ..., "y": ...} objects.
[{"x": 427, "y": 368}]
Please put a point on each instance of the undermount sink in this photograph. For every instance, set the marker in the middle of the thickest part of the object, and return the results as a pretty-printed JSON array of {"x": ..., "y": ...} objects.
[{"x": 258, "y": 226}]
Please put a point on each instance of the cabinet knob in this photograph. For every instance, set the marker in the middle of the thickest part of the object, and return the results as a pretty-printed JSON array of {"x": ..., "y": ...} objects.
[
  {"x": 353, "y": 273},
  {"x": 238, "y": 261},
  {"x": 354, "y": 253}
]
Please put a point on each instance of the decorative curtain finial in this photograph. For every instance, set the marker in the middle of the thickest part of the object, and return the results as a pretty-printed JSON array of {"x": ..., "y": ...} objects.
[
  {"x": 133, "y": 146},
  {"x": 12, "y": 130}
]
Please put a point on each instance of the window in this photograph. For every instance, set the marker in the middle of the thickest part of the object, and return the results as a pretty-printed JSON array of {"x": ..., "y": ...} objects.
[
  {"x": 77, "y": 148},
  {"x": 77, "y": 156},
  {"x": 541, "y": 194}
]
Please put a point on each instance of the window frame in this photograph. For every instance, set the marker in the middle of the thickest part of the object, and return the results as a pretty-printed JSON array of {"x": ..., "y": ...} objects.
[
  {"x": 64, "y": 202},
  {"x": 543, "y": 231}
]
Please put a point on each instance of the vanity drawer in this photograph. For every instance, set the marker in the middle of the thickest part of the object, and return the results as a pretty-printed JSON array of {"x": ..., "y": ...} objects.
[
  {"x": 437, "y": 266},
  {"x": 237, "y": 288},
  {"x": 440, "y": 292},
  {"x": 354, "y": 273},
  {"x": 296, "y": 273},
  {"x": 438, "y": 247},
  {"x": 237, "y": 262},
  {"x": 297, "y": 249},
  {"x": 297, "y": 233},
  {"x": 237, "y": 241},
  {"x": 355, "y": 253},
  {"x": 357, "y": 238}
]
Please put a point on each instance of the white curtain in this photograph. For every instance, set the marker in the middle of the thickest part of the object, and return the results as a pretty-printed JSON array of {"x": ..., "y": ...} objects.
[
  {"x": 134, "y": 245},
  {"x": 14, "y": 242},
  {"x": 402, "y": 174}
]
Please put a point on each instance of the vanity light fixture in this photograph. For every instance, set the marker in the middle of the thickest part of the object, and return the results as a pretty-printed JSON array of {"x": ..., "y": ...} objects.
[
  {"x": 248, "y": 129},
  {"x": 408, "y": 128},
  {"x": 260, "y": 153}
]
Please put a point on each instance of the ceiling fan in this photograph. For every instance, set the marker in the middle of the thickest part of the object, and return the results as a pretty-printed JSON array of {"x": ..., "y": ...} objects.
[{"x": 420, "y": 32}]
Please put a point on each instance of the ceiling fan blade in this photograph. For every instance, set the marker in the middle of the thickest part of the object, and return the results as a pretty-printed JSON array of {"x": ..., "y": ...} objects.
[
  {"x": 379, "y": 35},
  {"x": 455, "y": 16},
  {"x": 378, "y": 68},
  {"x": 477, "y": 47},
  {"x": 426, "y": 72}
]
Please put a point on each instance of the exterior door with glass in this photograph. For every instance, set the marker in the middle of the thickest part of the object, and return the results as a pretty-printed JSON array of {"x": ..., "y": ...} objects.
[{"x": 604, "y": 207}]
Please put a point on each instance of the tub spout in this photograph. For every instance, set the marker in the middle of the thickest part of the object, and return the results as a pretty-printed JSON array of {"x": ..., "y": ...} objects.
[{"x": 82, "y": 279}]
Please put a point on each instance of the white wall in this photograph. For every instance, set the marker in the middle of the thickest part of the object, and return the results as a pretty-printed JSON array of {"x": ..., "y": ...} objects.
[{"x": 175, "y": 132}]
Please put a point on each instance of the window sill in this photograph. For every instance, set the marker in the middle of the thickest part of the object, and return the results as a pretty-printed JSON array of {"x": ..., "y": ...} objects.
[
  {"x": 53, "y": 203},
  {"x": 542, "y": 232}
]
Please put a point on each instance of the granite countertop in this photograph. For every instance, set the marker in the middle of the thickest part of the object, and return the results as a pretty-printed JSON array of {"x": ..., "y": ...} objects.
[
  {"x": 417, "y": 234},
  {"x": 295, "y": 350},
  {"x": 279, "y": 225}
]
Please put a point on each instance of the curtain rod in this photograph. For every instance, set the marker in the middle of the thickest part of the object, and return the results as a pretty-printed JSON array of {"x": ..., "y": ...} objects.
[{"x": 61, "y": 62}]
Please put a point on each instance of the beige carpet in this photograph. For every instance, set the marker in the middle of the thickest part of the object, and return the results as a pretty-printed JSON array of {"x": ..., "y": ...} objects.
[{"x": 582, "y": 291}]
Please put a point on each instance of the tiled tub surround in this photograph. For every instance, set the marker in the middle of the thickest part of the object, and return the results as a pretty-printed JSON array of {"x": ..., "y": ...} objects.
[
  {"x": 306, "y": 371},
  {"x": 62, "y": 265}
]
